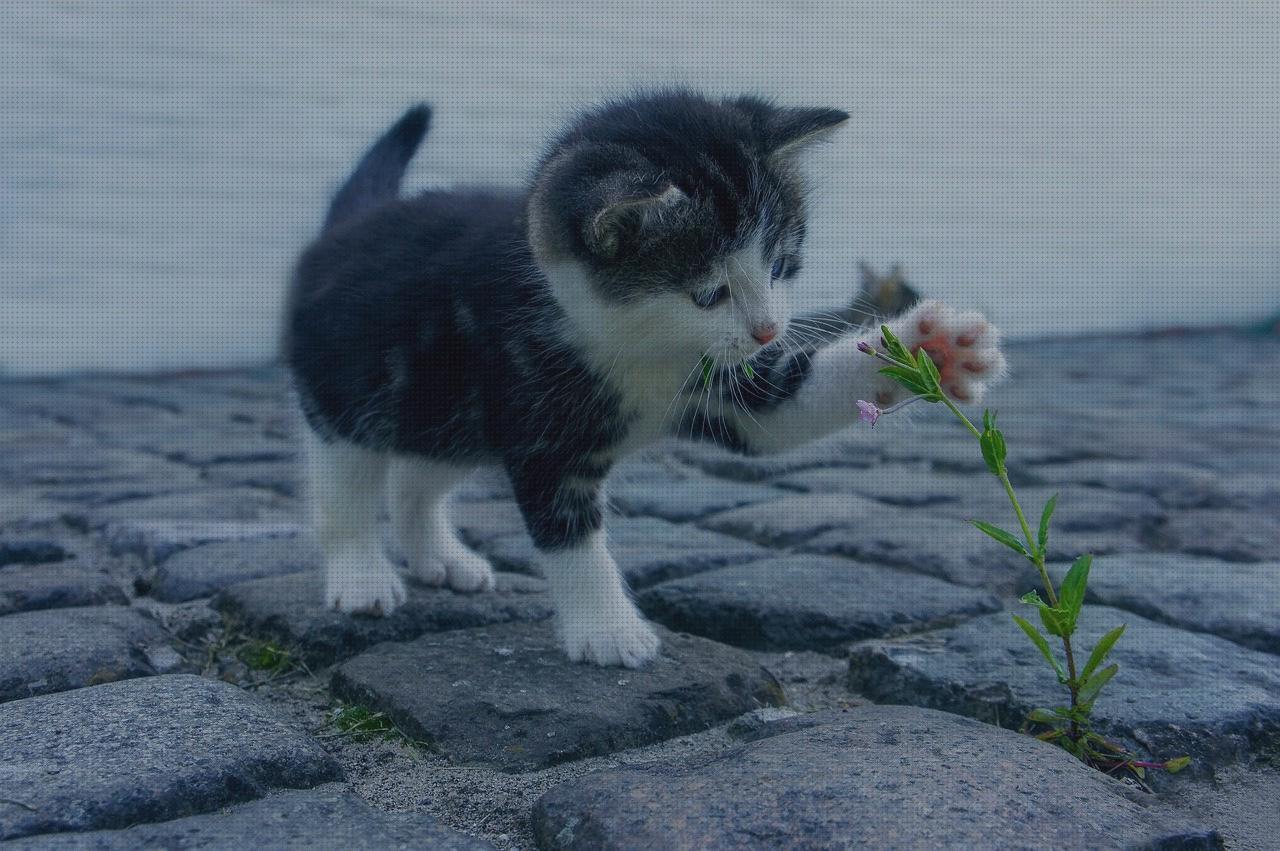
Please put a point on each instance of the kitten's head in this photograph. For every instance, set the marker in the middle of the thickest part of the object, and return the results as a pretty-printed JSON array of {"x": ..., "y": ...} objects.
[{"x": 675, "y": 221}]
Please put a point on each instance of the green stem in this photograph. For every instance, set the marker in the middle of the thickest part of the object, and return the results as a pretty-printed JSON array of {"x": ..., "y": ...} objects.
[
  {"x": 960, "y": 415},
  {"x": 1037, "y": 559}
]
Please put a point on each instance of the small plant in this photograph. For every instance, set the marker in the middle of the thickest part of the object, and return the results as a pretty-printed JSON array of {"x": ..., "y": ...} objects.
[
  {"x": 265, "y": 656},
  {"x": 1069, "y": 726},
  {"x": 362, "y": 724}
]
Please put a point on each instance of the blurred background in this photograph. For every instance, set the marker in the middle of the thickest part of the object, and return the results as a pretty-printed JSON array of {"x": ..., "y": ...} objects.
[{"x": 1069, "y": 167}]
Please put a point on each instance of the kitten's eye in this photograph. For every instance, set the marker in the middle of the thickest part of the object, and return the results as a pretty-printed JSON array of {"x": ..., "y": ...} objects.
[
  {"x": 779, "y": 268},
  {"x": 710, "y": 298}
]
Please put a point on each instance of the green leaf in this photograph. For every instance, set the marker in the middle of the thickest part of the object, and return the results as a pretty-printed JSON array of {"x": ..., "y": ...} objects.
[
  {"x": 1055, "y": 621},
  {"x": 1044, "y": 522},
  {"x": 989, "y": 453},
  {"x": 994, "y": 449},
  {"x": 929, "y": 372},
  {"x": 1073, "y": 587},
  {"x": 907, "y": 378},
  {"x": 1039, "y": 641},
  {"x": 1044, "y": 716},
  {"x": 1100, "y": 651},
  {"x": 748, "y": 369},
  {"x": 708, "y": 365},
  {"x": 1093, "y": 685},
  {"x": 1032, "y": 598},
  {"x": 1175, "y": 765},
  {"x": 1001, "y": 535},
  {"x": 896, "y": 350}
]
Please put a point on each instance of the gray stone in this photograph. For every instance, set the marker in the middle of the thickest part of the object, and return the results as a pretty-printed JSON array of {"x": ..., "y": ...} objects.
[
  {"x": 876, "y": 776},
  {"x": 809, "y": 603},
  {"x": 682, "y": 499},
  {"x": 1227, "y": 534},
  {"x": 508, "y": 696},
  {"x": 30, "y": 552},
  {"x": 795, "y": 519},
  {"x": 289, "y": 610},
  {"x": 94, "y": 475},
  {"x": 155, "y": 539},
  {"x": 1233, "y": 600},
  {"x": 843, "y": 450},
  {"x": 482, "y": 522},
  {"x": 648, "y": 550},
  {"x": 907, "y": 485},
  {"x": 144, "y": 750},
  {"x": 281, "y": 477},
  {"x": 1173, "y": 483},
  {"x": 859, "y": 528},
  {"x": 204, "y": 570},
  {"x": 1078, "y": 510},
  {"x": 59, "y": 649},
  {"x": 768, "y": 721},
  {"x": 327, "y": 816},
  {"x": 934, "y": 546},
  {"x": 1177, "y": 692},
  {"x": 26, "y": 588}
]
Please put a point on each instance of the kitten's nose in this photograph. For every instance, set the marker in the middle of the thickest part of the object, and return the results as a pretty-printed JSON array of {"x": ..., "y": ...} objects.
[{"x": 764, "y": 333}]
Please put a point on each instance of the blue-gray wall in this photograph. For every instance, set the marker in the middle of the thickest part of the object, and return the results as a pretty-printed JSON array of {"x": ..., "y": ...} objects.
[{"x": 1065, "y": 165}]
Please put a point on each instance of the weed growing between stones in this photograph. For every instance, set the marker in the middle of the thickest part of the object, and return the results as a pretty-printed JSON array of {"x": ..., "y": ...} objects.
[
  {"x": 1069, "y": 726},
  {"x": 362, "y": 724},
  {"x": 265, "y": 656}
]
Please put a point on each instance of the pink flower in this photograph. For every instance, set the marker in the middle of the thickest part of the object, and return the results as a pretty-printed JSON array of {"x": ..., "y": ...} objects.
[{"x": 867, "y": 412}]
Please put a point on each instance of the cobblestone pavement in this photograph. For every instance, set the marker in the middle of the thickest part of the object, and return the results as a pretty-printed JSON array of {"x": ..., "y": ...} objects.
[{"x": 839, "y": 664}]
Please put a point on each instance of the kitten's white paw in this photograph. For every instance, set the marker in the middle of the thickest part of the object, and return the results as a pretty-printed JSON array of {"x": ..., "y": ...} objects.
[
  {"x": 456, "y": 565},
  {"x": 469, "y": 572},
  {"x": 616, "y": 637},
  {"x": 431, "y": 571},
  {"x": 367, "y": 584},
  {"x": 963, "y": 344}
]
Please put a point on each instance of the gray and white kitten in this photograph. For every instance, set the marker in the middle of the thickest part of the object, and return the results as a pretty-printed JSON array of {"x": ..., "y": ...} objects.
[{"x": 554, "y": 330}]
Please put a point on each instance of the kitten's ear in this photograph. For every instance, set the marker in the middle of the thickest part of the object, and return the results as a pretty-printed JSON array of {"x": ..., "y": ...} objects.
[
  {"x": 794, "y": 128},
  {"x": 868, "y": 275},
  {"x": 627, "y": 212}
]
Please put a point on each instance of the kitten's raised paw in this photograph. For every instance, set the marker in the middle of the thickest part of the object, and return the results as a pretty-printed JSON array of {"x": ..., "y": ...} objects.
[
  {"x": 611, "y": 639},
  {"x": 962, "y": 344},
  {"x": 363, "y": 588}
]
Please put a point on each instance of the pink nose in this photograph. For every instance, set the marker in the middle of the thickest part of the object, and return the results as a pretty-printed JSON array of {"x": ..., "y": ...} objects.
[{"x": 764, "y": 333}]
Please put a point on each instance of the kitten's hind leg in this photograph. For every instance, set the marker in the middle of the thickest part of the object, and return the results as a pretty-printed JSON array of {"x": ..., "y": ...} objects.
[
  {"x": 419, "y": 502},
  {"x": 345, "y": 483}
]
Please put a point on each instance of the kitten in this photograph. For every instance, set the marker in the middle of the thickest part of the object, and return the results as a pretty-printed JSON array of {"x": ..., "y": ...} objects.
[{"x": 551, "y": 331}]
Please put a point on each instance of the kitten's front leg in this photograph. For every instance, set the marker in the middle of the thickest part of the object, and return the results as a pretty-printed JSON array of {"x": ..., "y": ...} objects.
[
  {"x": 595, "y": 618},
  {"x": 809, "y": 394}
]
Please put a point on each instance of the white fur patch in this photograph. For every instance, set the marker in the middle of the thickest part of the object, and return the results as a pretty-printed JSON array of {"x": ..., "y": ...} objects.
[
  {"x": 418, "y": 501},
  {"x": 595, "y": 617},
  {"x": 346, "y": 495}
]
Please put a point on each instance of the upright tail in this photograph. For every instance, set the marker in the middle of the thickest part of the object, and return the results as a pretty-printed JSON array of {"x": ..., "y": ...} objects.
[{"x": 377, "y": 177}]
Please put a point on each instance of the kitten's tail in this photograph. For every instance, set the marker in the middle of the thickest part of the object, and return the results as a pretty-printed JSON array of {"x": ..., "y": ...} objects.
[{"x": 377, "y": 177}]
